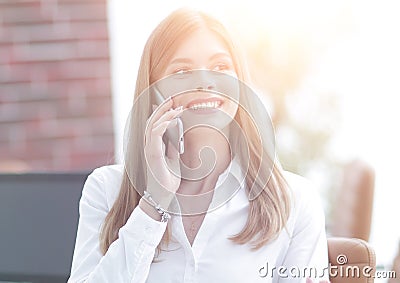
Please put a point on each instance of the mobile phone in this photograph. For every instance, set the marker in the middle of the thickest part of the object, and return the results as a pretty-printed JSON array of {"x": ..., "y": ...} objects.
[{"x": 174, "y": 134}]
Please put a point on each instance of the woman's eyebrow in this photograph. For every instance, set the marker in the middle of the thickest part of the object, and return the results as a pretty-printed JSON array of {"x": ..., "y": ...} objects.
[
  {"x": 181, "y": 60},
  {"x": 220, "y": 55}
]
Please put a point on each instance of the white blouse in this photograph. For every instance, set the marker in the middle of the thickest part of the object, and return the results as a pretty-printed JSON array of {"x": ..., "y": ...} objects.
[{"x": 299, "y": 251}]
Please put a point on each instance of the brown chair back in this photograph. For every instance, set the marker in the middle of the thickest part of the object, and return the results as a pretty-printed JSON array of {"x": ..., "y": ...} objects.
[
  {"x": 352, "y": 260},
  {"x": 352, "y": 212}
]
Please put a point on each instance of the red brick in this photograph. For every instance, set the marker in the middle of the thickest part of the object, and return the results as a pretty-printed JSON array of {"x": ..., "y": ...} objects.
[
  {"x": 28, "y": 12},
  {"x": 6, "y": 52},
  {"x": 53, "y": 51},
  {"x": 28, "y": 111},
  {"x": 55, "y": 102},
  {"x": 93, "y": 87},
  {"x": 90, "y": 160},
  {"x": 44, "y": 32},
  {"x": 84, "y": 11},
  {"x": 53, "y": 71},
  {"x": 48, "y": 11},
  {"x": 18, "y": 4},
  {"x": 12, "y": 136}
]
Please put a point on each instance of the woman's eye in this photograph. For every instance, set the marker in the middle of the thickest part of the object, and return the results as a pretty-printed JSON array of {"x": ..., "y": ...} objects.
[
  {"x": 222, "y": 67},
  {"x": 181, "y": 71}
]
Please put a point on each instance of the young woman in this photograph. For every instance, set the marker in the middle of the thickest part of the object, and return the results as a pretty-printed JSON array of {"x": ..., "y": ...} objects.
[{"x": 270, "y": 228}]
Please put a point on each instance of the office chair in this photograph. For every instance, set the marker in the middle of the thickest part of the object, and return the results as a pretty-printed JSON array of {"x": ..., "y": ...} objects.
[{"x": 346, "y": 256}]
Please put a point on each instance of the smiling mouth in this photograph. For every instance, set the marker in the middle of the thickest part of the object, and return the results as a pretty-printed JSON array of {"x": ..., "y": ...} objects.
[{"x": 205, "y": 105}]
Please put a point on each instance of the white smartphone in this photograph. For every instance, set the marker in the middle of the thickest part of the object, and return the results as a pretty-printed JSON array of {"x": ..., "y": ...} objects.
[{"x": 174, "y": 134}]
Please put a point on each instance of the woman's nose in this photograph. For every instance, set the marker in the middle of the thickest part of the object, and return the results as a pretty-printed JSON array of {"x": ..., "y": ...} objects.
[{"x": 204, "y": 80}]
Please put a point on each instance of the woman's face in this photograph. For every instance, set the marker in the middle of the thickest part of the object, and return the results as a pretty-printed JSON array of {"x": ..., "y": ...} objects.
[{"x": 204, "y": 50}]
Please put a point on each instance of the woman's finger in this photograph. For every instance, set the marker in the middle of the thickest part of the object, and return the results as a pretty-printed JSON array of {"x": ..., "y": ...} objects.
[
  {"x": 161, "y": 128},
  {"x": 168, "y": 116},
  {"x": 160, "y": 110},
  {"x": 157, "y": 113},
  {"x": 155, "y": 146}
]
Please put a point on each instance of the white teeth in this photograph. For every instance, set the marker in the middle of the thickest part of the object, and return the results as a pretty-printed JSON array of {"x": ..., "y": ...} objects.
[{"x": 210, "y": 104}]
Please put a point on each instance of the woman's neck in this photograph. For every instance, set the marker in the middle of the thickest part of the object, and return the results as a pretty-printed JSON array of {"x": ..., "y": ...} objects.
[{"x": 204, "y": 149}]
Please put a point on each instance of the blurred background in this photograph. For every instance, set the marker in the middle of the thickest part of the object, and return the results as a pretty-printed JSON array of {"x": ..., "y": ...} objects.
[
  {"x": 329, "y": 72},
  {"x": 55, "y": 91}
]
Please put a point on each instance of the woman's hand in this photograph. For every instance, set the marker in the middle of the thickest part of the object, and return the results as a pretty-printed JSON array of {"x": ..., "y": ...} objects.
[{"x": 163, "y": 173}]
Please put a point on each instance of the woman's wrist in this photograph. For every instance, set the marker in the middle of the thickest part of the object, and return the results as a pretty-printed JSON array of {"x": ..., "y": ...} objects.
[
  {"x": 147, "y": 198},
  {"x": 149, "y": 210}
]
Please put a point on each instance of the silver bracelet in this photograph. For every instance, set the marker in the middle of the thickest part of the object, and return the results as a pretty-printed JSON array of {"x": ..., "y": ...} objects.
[{"x": 165, "y": 216}]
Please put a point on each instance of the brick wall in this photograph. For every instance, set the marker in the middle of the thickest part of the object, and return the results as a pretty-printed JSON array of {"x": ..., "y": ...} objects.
[{"x": 55, "y": 97}]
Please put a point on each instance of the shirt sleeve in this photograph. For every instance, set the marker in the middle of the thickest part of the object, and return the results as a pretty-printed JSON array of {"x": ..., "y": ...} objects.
[
  {"x": 307, "y": 255},
  {"x": 128, "y": 258}
]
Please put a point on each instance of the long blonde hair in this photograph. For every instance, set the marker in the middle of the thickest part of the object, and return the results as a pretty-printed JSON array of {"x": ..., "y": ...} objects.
[{"x": 269, "y": 211}]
